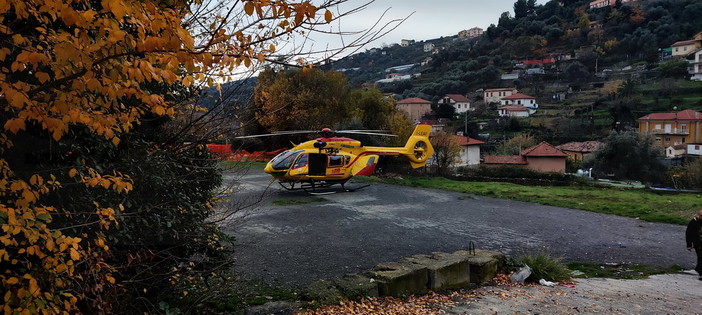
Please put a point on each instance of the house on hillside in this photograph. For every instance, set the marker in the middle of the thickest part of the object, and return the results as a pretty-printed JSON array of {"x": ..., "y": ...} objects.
[
  {"x": 542, "y": 157},
  {"x": 697, "y": 66},
  {"x": 406, "y": 42},
  {"x": 513, "y": 111},
  {"x": 471, "y": 33},
  {"x": 520, "y": 99},
  {"x": 597, "y": 4},
  {"x": 470, "y": 151},
  {"x": 428, "y": 47},
  {"x": 694, "y": 149},
  {"x": 669, "y": 129},
  {"x": 685, "y": 48},
  {"x": 458, "y": 101},
  {"x": 414, "y": 107},
  {"x": 495, "y": 95},
  {"x": 675, "y": 151},
  {"x": 578, "y": 151}
]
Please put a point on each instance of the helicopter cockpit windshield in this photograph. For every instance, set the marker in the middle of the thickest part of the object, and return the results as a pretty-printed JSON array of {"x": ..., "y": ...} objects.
[{"x": 284, "y": 160}]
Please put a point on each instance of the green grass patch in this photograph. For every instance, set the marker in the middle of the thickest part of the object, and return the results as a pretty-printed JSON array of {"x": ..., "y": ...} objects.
[
  {"x": 297, "y": 201},
  {"x": 634, "y": 203},
  {"x": 619, "y": 271},
  {"x": 543, "y": 265}
]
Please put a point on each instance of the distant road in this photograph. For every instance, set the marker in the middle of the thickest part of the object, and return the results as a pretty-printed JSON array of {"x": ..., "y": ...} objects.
[{"x": 352, "y": 232}]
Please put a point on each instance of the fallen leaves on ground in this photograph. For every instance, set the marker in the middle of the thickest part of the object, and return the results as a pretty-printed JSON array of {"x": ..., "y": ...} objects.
[{"x": 431, "y": 303}]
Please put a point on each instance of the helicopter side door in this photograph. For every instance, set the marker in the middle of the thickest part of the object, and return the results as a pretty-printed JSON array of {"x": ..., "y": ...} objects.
[{"x": 317, "y": 164}]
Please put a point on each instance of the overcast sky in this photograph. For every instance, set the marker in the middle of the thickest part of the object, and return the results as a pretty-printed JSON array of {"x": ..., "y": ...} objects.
[{"x": 426, "y": 19}]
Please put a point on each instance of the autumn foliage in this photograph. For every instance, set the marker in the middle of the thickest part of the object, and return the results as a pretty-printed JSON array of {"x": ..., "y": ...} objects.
[{"x": 83, "y": 75}]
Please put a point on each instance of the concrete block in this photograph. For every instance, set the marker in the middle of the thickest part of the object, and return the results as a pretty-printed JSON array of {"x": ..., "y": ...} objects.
[
  {"x": 483, "y": 265},
  {"x": 355, "y": 286},
  {"x": 446, "y": 271},
  {"x": 400, "y": 278}
]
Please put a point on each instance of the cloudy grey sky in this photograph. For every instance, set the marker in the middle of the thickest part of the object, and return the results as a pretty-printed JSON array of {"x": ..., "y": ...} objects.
[{"x": 426, "y": 20}]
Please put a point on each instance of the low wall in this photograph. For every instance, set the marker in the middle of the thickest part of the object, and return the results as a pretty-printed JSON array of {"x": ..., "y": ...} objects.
[{"x": 411, "y": 275}]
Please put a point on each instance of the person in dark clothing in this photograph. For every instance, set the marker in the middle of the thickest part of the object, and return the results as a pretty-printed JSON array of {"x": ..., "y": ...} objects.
[{"x": 693, "y": 236}]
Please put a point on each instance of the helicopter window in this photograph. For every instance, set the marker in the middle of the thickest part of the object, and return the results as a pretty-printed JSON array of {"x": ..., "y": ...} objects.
[
  {"x": 284, "y": 160},
  {"x": 301, "y": 161},
  {"x": 336, "y": 160},
  {"x": 347, "y": 159}
]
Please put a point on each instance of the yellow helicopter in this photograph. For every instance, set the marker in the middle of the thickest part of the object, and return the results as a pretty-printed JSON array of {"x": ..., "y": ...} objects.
[{"x": 329, "y": 160}]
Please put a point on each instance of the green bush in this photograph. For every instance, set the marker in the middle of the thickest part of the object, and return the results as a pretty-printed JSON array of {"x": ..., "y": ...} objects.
[
  {"x": 543, "y": 264},
  {"x": 509, "y": 171}
]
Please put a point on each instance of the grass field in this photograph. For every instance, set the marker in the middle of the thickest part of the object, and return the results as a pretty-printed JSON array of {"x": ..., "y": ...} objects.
[{"x": 634, "y": 203}]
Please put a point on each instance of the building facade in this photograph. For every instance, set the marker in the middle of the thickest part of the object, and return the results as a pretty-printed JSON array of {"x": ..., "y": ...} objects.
[
  {"x": 496, "y": 95},
  {"x": 669, "y": 129},
  {"x": 458, "y": 101},
  {"x": 520, "y": 99},
  {"x": 414, "y": 107}
]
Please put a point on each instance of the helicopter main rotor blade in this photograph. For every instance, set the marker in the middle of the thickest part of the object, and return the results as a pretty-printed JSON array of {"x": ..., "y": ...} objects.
[
  {"x": 367, "y": 133},
  {"x": 277, "y": 133},
  {"x": 364, "y": 130}
]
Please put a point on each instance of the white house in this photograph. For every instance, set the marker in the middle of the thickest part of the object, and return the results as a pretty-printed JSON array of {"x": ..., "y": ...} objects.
[
  {"x": 513, "y": 111},
  {"x": 458, "y": 101},
  {"x": 694, "y": 149},
  {"x": 428, "y": 47},
  {"x": 520, "y": 99},
  {"x": 470, "y": 151},
  {"x": 697, "y": 66}
]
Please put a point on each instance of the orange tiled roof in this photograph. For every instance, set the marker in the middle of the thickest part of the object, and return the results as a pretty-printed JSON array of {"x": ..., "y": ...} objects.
[
  {"x": 458, "y": 97},
  {"x": 683, "y": 43},
  {"x": 464, "y": 141},
  {"x": 498, "y": 159},
  {"x": 542, "y": 149},
  {"x": 587, "y": 146},
  {"x": 414, "y": 100},
  {"x": 687, "y": 114}
]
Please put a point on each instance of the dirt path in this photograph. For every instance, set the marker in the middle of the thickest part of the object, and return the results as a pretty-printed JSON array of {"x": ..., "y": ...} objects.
[{"x": 660, "y": 294}]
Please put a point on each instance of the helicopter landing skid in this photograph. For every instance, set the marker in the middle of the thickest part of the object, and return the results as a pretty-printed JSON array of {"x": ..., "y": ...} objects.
[{"x": 319, "y": 187}]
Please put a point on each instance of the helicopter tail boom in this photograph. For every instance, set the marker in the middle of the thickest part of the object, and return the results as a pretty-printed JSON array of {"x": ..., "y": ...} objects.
[{"x": 417, "y": 150}]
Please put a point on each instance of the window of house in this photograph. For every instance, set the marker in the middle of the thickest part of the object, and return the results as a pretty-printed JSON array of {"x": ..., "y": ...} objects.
[
  {"x": 666, "y": 138},
  {"x": 657, "y": 126},
  {"x": 683, "y": 128},
  {"x": 697, "y": 147},
  {"x": 683, "y": 140},
  {"x": 658, "y": 139}
]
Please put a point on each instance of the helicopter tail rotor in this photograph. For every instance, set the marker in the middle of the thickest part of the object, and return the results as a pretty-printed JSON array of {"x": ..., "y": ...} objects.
[{"x": 418, "y": 148}]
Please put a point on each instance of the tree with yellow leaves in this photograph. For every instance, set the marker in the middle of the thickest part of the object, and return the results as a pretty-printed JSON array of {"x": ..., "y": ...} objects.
[{"x": 77, "y": 77}]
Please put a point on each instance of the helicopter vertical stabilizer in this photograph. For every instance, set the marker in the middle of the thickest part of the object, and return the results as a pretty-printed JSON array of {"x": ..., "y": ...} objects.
[{"x": 418, "y": 148}]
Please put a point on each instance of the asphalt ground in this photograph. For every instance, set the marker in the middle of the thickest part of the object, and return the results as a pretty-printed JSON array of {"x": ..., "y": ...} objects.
[{"x": 294, "y": 245}]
